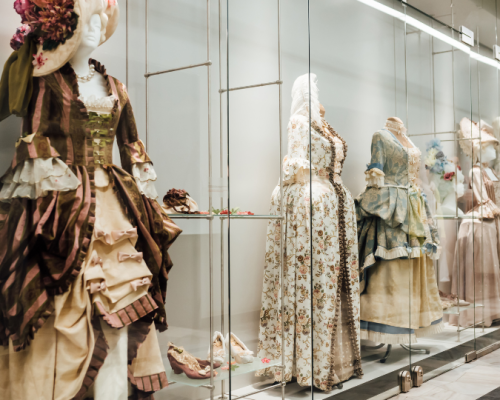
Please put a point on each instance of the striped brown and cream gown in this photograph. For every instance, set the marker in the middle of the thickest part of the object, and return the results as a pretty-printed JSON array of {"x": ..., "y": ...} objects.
[{"x": 74, "y": 259}]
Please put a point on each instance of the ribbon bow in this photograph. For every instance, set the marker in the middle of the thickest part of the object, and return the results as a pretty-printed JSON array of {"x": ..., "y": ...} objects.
[
  {"x": 96, "y": 287},
  {"x": 114, "y": 236},
  {"x": 119, "y": 235},
  {"x": 140, "y": 282},
  {"x": 95, "y": 259},
  {"x": 409, "y": 249},
  {"x": 135, "y": 257}
]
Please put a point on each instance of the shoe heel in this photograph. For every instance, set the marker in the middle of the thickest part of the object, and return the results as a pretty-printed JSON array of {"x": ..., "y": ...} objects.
[{"x": 177, "y": 370}]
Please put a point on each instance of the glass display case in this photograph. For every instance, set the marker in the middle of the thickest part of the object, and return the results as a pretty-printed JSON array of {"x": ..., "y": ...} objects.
[{"x": 333, "y": 167}]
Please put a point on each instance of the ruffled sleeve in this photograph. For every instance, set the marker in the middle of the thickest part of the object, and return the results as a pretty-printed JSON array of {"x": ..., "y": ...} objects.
[
  {"x": 36, "y": 170},
  {"x": 374, "y": 173},
  {"x": 145, "y": 175},
  {"x": 132, "y": 149},
  {"x": 296, "y": 165}
]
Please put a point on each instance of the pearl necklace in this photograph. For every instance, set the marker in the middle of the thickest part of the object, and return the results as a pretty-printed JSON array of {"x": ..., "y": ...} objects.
[{"x": 88, "y": 77}]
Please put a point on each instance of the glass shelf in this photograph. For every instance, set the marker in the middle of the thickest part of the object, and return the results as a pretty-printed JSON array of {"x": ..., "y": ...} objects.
[
  {"x": 457, "y": 310},
  {"x": 224, "y": 216},
  {"x": 453, "y": 217},
  {"x": 221, "y": 375}
]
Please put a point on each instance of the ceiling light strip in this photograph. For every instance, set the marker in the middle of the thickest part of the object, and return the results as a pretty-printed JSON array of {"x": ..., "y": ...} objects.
[{"x": 431, "y": 31}]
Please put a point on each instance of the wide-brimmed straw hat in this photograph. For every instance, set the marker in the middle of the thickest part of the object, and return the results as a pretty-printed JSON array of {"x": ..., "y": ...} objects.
[
  {"x": 475, "y": 138},
  {"x": 58, "y": 27}
]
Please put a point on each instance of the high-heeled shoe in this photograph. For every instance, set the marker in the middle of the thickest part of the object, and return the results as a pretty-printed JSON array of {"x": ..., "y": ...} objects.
[
  {"x": 239, "y": 351},
  {"x": 219, "y": 345},
  {"x": 194, "y": 368}
]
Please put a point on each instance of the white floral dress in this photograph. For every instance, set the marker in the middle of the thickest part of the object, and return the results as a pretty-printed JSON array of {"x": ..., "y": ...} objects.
[{"x": 334, "y": 343}]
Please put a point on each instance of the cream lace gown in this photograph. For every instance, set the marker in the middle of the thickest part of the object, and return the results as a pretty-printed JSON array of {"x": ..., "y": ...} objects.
[{"x": 329, "y": 333}]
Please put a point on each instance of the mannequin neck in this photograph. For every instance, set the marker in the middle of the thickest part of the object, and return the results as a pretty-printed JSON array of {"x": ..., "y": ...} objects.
[
  {"x": 449, "y": 205},
  {"x": 80, "y": 61}
]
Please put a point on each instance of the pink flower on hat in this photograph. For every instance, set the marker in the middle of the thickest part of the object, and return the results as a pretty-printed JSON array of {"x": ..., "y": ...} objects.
[
  {"x": 39, "y": 61},
  {"x": 41, "y": 3},
  {"x": 111, "y": 3},
  {"x": 21, "y": 6},
  {"x": 18, "y": 39}
]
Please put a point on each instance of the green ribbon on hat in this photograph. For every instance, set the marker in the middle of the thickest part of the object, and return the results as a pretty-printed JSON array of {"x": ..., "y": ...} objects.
[{"x": 16, "y": 85}]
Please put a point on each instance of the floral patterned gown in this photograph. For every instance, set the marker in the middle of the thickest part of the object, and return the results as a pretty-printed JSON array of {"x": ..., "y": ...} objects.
[{"x": 330, "y": 331}]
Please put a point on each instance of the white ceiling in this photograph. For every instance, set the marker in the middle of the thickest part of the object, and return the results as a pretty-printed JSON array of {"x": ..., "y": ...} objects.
[{"x": 477, "y": 15}]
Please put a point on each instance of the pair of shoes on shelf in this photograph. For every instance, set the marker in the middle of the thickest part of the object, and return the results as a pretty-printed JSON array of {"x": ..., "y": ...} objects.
[
  {"x": 194, "y": 368},
  {"x": 239, "y": 351}
]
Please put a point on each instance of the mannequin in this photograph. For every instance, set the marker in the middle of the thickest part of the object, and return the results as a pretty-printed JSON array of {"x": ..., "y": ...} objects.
[
  {"x": 476, "y": 272},
  {"x": 102, "y": 273},
  {"x": 393, "y": 173},
  {"x": 111, "y": 382},
  {"x": 489, "y": 154},
  {"x": 449, "y": 204},
  {"x": 80, "y": 62}
]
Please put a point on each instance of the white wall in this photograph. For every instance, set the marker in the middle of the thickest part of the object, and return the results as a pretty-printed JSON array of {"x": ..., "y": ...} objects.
[{"x": 358, "y": 56}]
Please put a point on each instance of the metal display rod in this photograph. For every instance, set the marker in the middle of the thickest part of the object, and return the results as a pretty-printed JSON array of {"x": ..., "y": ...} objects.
[
  {"x": 210, "y": 217},
  {"x": 230, "y": 217}
]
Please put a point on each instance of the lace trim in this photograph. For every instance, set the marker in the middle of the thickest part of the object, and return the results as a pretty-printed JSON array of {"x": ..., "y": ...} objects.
[
  {"x": 184, "y": 358},
  {"x": 375, "y": 177},
  {"x": 397, "y": 126},
  {"x": 343, "y": 278},
  {"x": 145, "y": 175},
  {"x": 430, "y": 330},
  {"x": 99, "y": 105},
  {"x": 387, "y": 338},
  {"x": 37, "y": 177}
]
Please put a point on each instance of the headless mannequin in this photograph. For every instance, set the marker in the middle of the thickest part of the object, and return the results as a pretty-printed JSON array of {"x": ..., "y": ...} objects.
[
  {"x": 402, "y": 138},
  {"x": 112, "y": 381}
]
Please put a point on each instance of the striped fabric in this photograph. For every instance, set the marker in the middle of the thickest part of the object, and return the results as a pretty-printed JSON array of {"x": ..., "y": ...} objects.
[{"x": 43, "y": 242}]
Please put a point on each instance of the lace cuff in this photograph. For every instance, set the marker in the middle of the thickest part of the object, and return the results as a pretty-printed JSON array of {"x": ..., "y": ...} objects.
[
  {"x": 374, "y": 177},
  {"x": 145, "y": 176},
  {"x": 296, "y": 170},
  {"x": 35, "y": 177}
]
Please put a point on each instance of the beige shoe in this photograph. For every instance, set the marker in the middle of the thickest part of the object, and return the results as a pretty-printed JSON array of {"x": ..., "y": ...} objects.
[
  {"x": 219, "y": 348},
  {"x": 239, "y": 351}
]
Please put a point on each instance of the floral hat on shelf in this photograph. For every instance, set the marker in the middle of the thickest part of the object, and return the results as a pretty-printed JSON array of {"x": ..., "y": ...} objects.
[
  {"x": 55, "y": 27},
  {"x": 437, "y": 163},
  {"x": 476, "y": 138}
]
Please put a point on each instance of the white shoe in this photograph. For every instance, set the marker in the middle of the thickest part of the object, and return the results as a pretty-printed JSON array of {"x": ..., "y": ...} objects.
[
  {"x": 239, "y": 351},
  {"x": 219, "y": 348}
]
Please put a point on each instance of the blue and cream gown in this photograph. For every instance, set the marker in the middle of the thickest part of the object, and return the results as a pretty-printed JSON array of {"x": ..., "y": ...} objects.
[{"x": 397, "y": 241}]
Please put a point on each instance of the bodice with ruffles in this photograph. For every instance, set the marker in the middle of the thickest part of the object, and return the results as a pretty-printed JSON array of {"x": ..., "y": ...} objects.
[
  {"x": 394, "y": 219},
  {"x": 297, "y": 163}
]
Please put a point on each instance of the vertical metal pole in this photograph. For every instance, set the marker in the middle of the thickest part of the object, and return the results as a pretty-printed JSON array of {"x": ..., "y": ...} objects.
[
  {"x": 283, "y": 221},
  {"x": 310, "y": 202},
  {"x": 228, "y": 200},
  {"x": 410, "y": 260},
  {"x": 210, "y": 222},
  {"x": 221, "y": 168},
  {"x": 126, "y": 42},
  {"x": 457, "y": 151},
  {"x": 147, "y": 78},
  {"x": 482, "y": 182}
]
